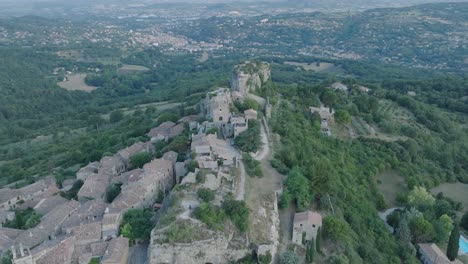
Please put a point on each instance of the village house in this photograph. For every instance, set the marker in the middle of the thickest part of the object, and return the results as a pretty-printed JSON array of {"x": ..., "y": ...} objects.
[
  {"x": 305, "y": 226},
  {"x": 87, "y": 170},
  {"x": 6, "y": 216},
  {"x": 46, "y": 205},
  {"x": 112, "y": 166},
  {"x": 339, "y": 86},
  {"x": 166, "y": 131},
  {"x": 236, "y": 125},
  {"x": 210, "y": 152},
  {"x": 216, "y": 106},
  {"x": 49, "y": 227},
  {"x": 431, "y": 254},
  {"x": 139, "y": 192},
  {"x": 7, "y": 237},
  {"x": 94, "y": 187},
  {"x": 126, "y": 154},
  {"x": 89, "y": 212},
  {"x": 9, "y": 198},
  {"x": 116, "y": 252},
  {"x": 57, "y": 251},
  {"x": 126, "y": 176}
]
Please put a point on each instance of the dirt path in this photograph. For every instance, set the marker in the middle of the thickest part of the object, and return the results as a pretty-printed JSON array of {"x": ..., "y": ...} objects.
[
  {"x": 265, "y": 150},
  {"x": 240, "y": 190}
]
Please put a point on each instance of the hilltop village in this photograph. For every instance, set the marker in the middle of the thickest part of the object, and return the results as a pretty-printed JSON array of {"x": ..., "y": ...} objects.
[{"x": 180, "y": 188}]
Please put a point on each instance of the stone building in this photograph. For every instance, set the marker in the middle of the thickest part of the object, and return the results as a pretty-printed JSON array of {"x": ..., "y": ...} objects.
[{"x": 305, "y": 226}]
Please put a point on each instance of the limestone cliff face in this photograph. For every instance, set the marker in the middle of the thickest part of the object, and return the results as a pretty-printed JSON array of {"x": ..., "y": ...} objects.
[{"x": 249, "y": 76}]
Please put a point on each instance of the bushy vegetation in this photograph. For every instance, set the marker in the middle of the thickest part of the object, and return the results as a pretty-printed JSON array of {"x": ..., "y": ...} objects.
[
  {"x": 214, "y": 216},
  {"x": 24, "y": 219},
  {"x": 140, "y": 159},
  {"x": 252, "y": 166},
  {"x": 205, "y": 194},
  {"x": 249, "y": 140},
  {"x": 137, "y": 224}
]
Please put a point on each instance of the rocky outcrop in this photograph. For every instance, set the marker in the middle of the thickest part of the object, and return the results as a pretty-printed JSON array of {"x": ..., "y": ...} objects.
[{"x": 250, "y": 76}]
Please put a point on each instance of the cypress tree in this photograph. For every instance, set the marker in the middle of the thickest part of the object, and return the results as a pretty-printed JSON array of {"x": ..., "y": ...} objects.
[
  {"x": 318, "y": 243},
  {"x": 311, "y": 251},
  {"x": 452, "y": 248}
]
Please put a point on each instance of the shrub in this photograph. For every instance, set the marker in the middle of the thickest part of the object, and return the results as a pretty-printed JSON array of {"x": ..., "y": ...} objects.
[
  {"x": 238, "y": 212},
  {"x": 206, "y": 194}
]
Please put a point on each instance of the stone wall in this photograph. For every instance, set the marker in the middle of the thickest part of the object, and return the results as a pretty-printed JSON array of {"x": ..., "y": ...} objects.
[{"x": 215, "y": 251}]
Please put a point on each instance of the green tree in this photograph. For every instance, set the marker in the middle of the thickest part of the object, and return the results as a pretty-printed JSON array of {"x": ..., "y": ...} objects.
[
  {"x": 318, "y": 243},
  {"x": 446, "y": 224},
  {"x": 116, "y": 116},
  {"x": 453, "y": 244},
  {"x": 289, "y": 257},
  {"x": 464, "y": 221},
  {"x": 394, "y": 218},
  {"x": 419, "y": 197},
  {"x": 298, "y": 187},
  {"x": 7, "y": 257},
  {"x": 342, "y": 117},
  {"x": 249, "y": 140},
  {"x": 238, "y": 212},
  {"x": 310, "y": 251},
  {"x": 137, "y": 224},
  {"x": 112, "y": 192},
  {"x": 265, "y": 259},
  {"x": 140, "y": 159},
  {"x": 328, "y": 97},
  {"x": 335, "y": 228},
  {"x": 421, "y": 230}
]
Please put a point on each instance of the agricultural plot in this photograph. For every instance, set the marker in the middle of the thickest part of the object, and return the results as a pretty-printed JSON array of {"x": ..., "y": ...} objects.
[
  {"x": 76, "y": 82},
  {"x": 390, "y": 184},
  {"x": 129, "y": 69},
  {"x": 457, "y": 191}
]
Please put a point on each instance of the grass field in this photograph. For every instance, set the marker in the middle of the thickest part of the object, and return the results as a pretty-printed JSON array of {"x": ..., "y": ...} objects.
[
  {"x": 456, "y": 191},
  {"x": 390, "y": 184},
  {"x": 128, "y": 69},
  {"x": 76, "y": 82}
]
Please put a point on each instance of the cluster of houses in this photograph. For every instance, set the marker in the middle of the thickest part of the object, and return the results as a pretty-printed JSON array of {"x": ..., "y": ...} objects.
[
  {"x": 217, "y": 109},
  {"x": 75, "y": 231}
]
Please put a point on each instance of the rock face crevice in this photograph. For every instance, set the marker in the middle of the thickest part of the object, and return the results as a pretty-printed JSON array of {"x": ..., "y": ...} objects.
[{"x": 250, "y": 76}]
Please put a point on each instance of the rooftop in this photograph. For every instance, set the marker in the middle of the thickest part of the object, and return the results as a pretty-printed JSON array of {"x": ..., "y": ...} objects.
[
  {"x": 433, "y": 252},
  {"x": 308, "y": 218},
  {"x": 117, "y": 249}
]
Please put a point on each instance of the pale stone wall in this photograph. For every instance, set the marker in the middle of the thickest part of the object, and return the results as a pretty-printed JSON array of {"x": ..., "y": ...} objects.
[{"x": 215, "y": 251}]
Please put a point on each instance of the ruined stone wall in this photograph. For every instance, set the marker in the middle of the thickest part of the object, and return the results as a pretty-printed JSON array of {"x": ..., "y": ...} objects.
[{"x": 215, "y": 251}]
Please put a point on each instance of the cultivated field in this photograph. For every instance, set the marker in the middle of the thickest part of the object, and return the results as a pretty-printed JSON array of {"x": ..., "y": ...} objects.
[
  {"x": 456, "y": 191},
  {"x": 128, "y": 69},
  {"x": 390, "y": 184},
  {"x": 76, "y": 82}
]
